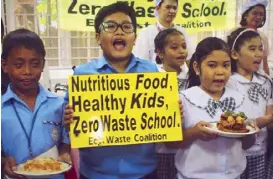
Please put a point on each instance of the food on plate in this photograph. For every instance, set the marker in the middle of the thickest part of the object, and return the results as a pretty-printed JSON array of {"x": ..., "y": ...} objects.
[
  {"x": 232, "y": 122},
  {"x": 42, "y": 165}
]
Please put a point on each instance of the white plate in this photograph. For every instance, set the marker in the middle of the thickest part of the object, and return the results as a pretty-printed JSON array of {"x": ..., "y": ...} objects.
[
  {"x": 66, "y": 167},
  {"x": 230, "y": 134}
]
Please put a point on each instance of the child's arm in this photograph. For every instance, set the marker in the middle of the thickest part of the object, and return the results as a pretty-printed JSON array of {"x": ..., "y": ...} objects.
[
  {"x": 267, "y": 120},
  {"x": 194, "y": 133},
  {"x": 64, "y": 149},
  {"x": 65, "y": 153},
  {"x": 269, "y": 111}
]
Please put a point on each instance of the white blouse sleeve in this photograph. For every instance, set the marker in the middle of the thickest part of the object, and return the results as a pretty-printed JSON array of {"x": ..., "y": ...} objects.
[{"x": 141, "y": 48}]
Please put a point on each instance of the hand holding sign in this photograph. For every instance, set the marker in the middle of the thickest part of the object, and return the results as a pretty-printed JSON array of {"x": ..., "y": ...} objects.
[
  {"x": 181, "y": 108},
  {"x": 68, "y": 114}
]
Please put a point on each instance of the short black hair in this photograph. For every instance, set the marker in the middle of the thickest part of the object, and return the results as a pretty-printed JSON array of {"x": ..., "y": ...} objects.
[
  {"x": 113, "y": 8},
  {"x": 161, "y": 38},
  {"x": 243, "y": 18},
  {"x": 163, "y": 1},
  {"x": 22, "y": 38}
]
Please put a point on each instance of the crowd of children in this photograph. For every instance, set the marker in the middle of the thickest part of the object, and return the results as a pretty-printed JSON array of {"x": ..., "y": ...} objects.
[{"x": 222, "y": 76}]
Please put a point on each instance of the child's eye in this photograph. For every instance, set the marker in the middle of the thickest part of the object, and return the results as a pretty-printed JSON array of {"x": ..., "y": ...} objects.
[
  {"x": 18, "y": 65},
  {"x": 174, "y": 47},
  {"x": 254, "y": 13},
  {"x": 36, "y": 65},
  {"x": 212, "y": 65},
  {"x": 227, "y": 65}
]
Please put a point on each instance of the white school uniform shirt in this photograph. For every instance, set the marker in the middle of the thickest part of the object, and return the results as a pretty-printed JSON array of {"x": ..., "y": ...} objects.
[
  {"x": 145, "y": 47},
  {"x": 181, "y": 78},
  {"x": 221, "y": 158},
  {"x": 254, "y": 109}
]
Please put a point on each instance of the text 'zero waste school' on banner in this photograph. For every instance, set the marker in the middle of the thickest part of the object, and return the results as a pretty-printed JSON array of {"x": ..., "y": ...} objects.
[
  {"x": 118, "y": 109},
  {"x": 194, "y": 15}
]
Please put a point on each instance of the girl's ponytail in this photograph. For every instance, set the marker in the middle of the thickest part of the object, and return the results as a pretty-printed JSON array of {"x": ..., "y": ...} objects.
[{"x": 193, "y": 79}]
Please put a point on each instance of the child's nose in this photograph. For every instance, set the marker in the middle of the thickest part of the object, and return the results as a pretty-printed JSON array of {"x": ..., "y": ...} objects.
[
  {"x": 183, "y": 50},
  {"x": 119, "y": 30},
  {"x": 27, "y": 69},
  {"x": 260, "y": 53},
  {"x": 220, "y": 71}
]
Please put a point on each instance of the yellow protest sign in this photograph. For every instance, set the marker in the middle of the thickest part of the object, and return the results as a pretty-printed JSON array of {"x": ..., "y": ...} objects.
[
  {"x": 194, "y": 15},
  {"x": 123, "y": 109}
]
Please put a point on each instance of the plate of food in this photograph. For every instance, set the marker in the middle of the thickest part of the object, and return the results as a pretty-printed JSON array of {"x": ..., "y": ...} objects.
[
  {"x": 42, "y": 167},
  {"x": 232, "y": 125}
]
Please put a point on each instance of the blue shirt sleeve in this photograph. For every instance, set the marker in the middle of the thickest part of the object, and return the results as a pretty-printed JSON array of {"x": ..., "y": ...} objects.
[{"x": 65, "y": 132}]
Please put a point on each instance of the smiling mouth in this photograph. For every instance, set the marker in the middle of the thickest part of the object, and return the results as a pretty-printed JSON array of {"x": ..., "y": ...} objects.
[{"x": 119, "y": 44}]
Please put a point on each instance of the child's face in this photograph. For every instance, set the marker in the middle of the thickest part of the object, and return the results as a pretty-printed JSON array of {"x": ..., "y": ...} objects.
[
  {"x": 24, "y": 67},
  {"x": 249, "y": 56},
  {"x": 175, "y": 51},
  {"x": 255, "y": 17},
  {"x": 118, "y": 45},
  {"x": 167, "y": 11},
  {"x": 215, "y": 72}
]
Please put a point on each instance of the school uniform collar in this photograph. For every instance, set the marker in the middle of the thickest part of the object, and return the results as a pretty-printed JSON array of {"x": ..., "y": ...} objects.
[
  {"x": 256, "y": 88},
  {"x": 243, "y": 80},
  {"x": 181, "y": 75},
  {"x": 199, "y": 97},
  {"x": 44, "y": 94},
  {"x": 102, "y": 62}
]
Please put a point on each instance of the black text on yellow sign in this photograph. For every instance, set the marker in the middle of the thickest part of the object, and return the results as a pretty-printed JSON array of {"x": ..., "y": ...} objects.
[
  {"x": 123, "y": 109},
  {"x": 194, "y": 15}
]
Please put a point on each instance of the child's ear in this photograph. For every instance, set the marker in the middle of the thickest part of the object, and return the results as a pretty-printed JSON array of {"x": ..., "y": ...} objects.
[
  {"x": 196, "y": 68},
  {"x": 234, "y": 55},
  {"x": 4, "y": 66},
  {"x": 98, "y": 38}
]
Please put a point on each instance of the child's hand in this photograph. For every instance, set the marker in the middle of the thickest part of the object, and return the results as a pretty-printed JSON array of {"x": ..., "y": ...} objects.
[
  {"x": 68, "y": 114},
  {"x": 203, "y": 133},
  {"x": 181, "y": 108},
  {"x": 253, "y": 124},
  {"x": 269, "y": 117},
  {"x": 9, "y": 167},
  {"x": 66, "y": 157}
]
